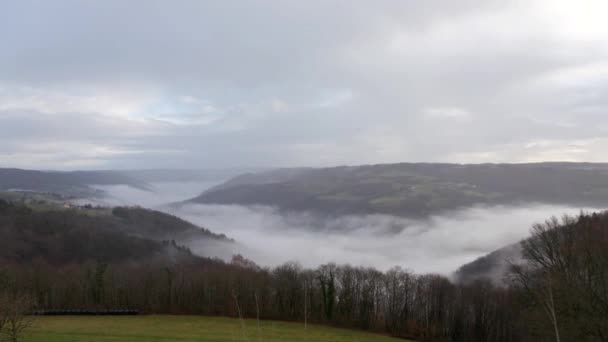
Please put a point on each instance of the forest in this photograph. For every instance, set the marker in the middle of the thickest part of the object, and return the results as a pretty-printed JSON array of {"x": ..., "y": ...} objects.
[
  {"x": 559, "y": 292},
  {"x": 414, "y": 190}
]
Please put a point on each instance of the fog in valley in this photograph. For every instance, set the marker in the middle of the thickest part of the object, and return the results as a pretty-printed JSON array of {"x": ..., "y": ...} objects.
[
  {"x": 159, "y": 194},
  {"x": 439, "y": 244},
  {"x": 429, "y": 171}
]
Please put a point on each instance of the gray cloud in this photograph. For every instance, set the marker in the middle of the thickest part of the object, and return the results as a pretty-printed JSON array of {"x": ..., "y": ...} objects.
[{"x": 117, "y": 84}]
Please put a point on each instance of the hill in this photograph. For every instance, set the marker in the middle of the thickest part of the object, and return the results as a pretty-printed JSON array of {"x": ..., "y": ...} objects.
[
  {"x": 160, "y": 226},
  {"x": 184, "y": 175},
  {"x": 414, "y": 190},
  {"x": 71, "y": 184},
  {"x": 493, "y": 266},
  {"x": 60, "y": 235}
]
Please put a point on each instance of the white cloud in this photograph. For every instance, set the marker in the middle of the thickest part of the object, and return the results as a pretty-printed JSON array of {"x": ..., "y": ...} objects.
[
  {"x": 278, "y": 106},
  {"x": 585, "y": 150},
  {"x": 335, "y": 98},
  {"x": 448, "y": 113},
  {"x": 73, "y": 99}
]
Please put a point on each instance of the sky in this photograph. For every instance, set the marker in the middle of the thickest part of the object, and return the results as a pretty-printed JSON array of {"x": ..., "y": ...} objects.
[{"x": 218, "y": 84}]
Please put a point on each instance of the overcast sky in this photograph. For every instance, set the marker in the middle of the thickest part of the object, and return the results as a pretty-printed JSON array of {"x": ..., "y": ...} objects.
[{"x": 162, "y": 84}]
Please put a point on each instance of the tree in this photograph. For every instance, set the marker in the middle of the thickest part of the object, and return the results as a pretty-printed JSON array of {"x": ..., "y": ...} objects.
[
  {"x": 327, "y": 281},
  {"x": 566, "y": 274},
  {"x": 3, "y": 309},
  {"x": 15, "y": 315}
]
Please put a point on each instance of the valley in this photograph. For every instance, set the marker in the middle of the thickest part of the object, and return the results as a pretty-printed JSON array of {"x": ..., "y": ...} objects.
[
  {"x": 253, "y": 259},
  {"x": 303, "y": 171}
]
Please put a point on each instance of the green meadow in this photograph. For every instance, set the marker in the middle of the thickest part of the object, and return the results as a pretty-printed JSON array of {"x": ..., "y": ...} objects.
[{"x": 186, "y": 328}]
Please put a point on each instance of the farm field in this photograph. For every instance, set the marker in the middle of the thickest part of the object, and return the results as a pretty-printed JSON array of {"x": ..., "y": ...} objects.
[{"x": 186, "y": 328}]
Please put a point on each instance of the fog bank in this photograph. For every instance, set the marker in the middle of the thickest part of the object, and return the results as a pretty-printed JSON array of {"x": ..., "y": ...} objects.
[
  {"x": 441, "y": 243},
  {"x": 160, "y": 193}
]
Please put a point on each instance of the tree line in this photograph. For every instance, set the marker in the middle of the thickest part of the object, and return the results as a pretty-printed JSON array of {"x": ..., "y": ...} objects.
[{"x": 560, "y": 292}]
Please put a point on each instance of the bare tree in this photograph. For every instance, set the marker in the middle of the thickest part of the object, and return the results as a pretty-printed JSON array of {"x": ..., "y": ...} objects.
[
  {"x": 3, "y": 306},
  {"x": 241, "y": 320},
  {"x": 16, "y": 316},
  {"x": 540, "y": 287},
  {"x": 544, "y": 255},
  {"x": 565, "y": 273}
]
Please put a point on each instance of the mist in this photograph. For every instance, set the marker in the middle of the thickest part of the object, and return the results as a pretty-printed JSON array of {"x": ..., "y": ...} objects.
[
  {"x": 158, "y": 195},
  {"x": 439, "y": 244}
]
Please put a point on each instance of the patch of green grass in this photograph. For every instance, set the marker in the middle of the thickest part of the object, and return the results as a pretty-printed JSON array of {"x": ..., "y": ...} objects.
[{"x": 186, "y": 328}]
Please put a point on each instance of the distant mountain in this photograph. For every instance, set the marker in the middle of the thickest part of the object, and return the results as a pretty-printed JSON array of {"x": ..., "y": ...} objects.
[
  {"x": 414, "y": 190},
  {"x": 74, "y": 183},
  {"x": 60, "y": 235},
  {"x": 82, "y": 184}
]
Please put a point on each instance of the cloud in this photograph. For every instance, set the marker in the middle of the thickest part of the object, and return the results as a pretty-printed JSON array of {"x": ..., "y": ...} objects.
[
  {"x": 113, "y": 102},
  {"x": 288, "y": 83},
  {"x": 448, "y": 113},
  {"x": 590, "y": 150}
]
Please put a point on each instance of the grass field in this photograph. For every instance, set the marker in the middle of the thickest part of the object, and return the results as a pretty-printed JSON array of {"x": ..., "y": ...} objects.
[{"x": 186, "y": 328}]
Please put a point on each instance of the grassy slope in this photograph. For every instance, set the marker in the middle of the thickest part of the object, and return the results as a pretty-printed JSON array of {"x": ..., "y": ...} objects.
[{"x": 185, "y": 328}]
